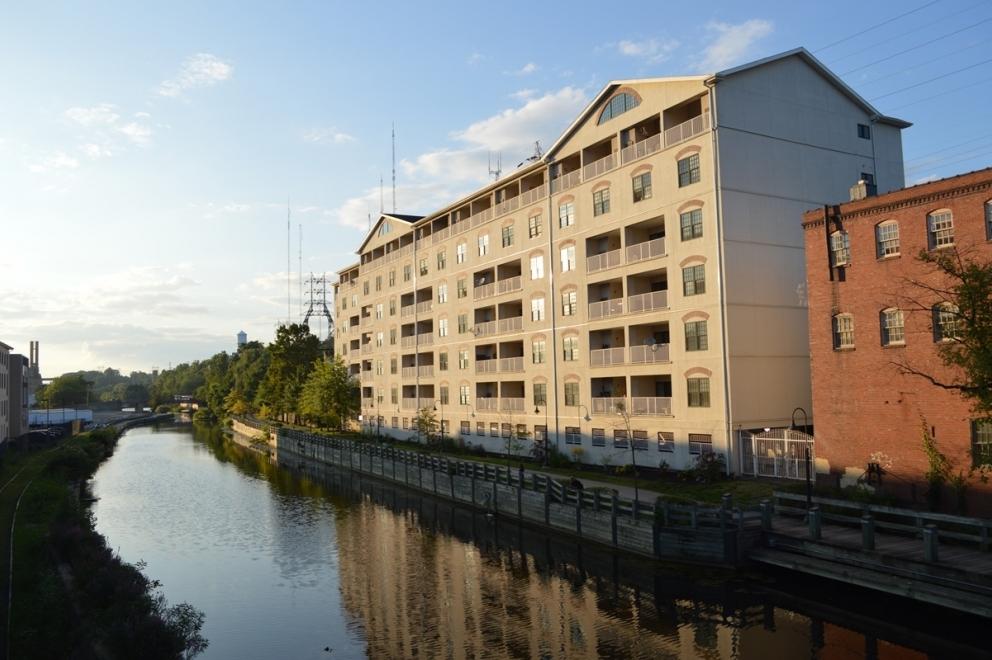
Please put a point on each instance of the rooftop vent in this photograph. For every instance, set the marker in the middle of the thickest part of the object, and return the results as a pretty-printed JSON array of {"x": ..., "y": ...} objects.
[{"x": 863, "y": 189}]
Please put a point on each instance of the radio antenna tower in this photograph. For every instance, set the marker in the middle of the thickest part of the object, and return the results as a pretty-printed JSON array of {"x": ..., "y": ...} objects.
[
  {"x": 382, "y": 205},
  {"x": 318, "y": 303},
  {"x": 289, "y": 307},
  {"x": 394, "y": 167},
  {"x": 496, "y": 171},
  {"x": 299, "y": 271}
]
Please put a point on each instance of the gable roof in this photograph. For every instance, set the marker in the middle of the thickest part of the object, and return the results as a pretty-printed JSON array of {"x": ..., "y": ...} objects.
[{"x": 404, "y": 218}]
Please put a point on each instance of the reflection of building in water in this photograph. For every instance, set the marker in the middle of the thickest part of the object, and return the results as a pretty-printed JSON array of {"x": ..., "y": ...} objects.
[{"x": 420, "y": 594}]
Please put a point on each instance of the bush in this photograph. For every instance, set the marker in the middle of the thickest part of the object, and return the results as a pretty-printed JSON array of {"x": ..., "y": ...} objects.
[{"x": 709, "y": 467}]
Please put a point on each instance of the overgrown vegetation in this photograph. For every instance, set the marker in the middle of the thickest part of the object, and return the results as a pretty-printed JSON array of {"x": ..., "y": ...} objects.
[{"x": 73, "y": 596}]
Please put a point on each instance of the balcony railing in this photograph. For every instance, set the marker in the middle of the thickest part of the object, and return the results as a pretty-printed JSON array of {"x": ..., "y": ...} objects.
[
  {"x": 367, "y": 349},
  {"x": 366, "y": 377},
  {"x": 407, "y": 310},
  {"x": 487, "y": 403},
  {"x": 512, "y": 324},
  {"x": 605, "y": 308},
  {"x": 507, "y": 205},
  {"x": 425, "y": 339},
  {"x": 440, "y": 235},
  {"x": 598, "y": 262},
  {"x": 641, "y": 149},
  {"x": 425, "y": 371},
  {"x": 489, "y": 366},
  {"x": 607, "y": 405},
  {"x": 566, "y": 181},
  {"x": 511, "y": 364},
  {"x": 425, "y": 306},
  {"x": 408, "y": 342},
  {"x": 480, "y": 218},
  {"x": 534, "y": 194},
  {"x": 366, "y": 321},
  {"x": 509, "y": 285},
  {"x": 598, "y": 167},
  {"x": 408, "y": 372},
  {"x": 646, "y": 302},
  {"x": 687, "y": 129},
  {"x": 413, "y": 403},
  {"x": 646, "y": 250},
  {"x": 605, "y": 357},
  {"x": 651, "y": 405},
  {"x": 649, "y": 354},
  {"x": 511, "y": 404},
  {"x": 485, "y": 328}
]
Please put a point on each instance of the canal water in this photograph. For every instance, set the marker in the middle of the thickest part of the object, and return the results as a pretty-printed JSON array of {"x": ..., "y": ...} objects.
[{"x": 288, "y": 559}]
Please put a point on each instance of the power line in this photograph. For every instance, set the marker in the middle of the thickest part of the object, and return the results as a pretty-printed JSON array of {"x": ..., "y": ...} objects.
[
  {"x": 917, "y": 47},
  {"x": 971, "y": 85},
  {"x": 962, "y": 160},
  {"x": 921, "y": 64},
  {"x": 981, "y": 138},
  {"x": 877, "y": 25},
  {"x": 903, "y": 35},
  {"x": 964, "y": 155},
  {"x": 930, "y": 80}
]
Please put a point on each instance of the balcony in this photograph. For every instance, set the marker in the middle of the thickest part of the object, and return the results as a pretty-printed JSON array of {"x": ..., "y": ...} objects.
[
  {"x": 657, "y": 406},
  {"x": 607, "y": 405},
  {"x": 426, "y": 371},
  {"x": 407, "y": 310},
  {"x": 366, "y": 321},
  {"x": 599, "y": 262},
  {"x": 366, "y": 377},
  {"x": 411, "y": 403},
  {"x": 534, "y": 194},
  {"x": 647, "y": 302},
  {"x": 598, "y": 167},
  {"x": 425, "y": 339},
  {"x": 511, "y": 404},
  {"x": 508, "y": 285},
  {"x": 485, "y": 329},
  {"x": 440, "y": 235},
  {"x": 507, "y": 206},
  {"x": 566, "y": 181},
  {"x": 425, "y": 306},
  {"x": 486, "y": 366},
  {"x": 487, "y": 403},
  {"x": 649, "y": 354},
  {"x": 605, "y": 357},
  {"x": 408, "y": 342},
  {"x": 646, "y": 250},
  {"x": 512, "y": 324},
  {"x": 687, "y": 130},
  {"x": 367, "y": 349},
  {"x": 511, "y": 364},
  {"x": 408, "y": 372},
  {"x": 605, "y": 308},
  {"x": 640, "y": 149}
]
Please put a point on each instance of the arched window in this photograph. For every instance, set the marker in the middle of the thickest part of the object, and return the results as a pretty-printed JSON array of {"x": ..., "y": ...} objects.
[
  {"x": 892, "y": 326},
  {"x": 843, "y": 331},
  {"x": 887, "y": 239},
  {"x": 940, "y": 228},
  {"x": 988, "y": 219},
  {"x": 946, "y": 322},
  {"x": 618, "y": 105},
  {"x": 840, "y": 249}
]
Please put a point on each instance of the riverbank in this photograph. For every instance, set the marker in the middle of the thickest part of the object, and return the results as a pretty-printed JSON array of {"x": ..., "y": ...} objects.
[{"x": 71, "y": 595}]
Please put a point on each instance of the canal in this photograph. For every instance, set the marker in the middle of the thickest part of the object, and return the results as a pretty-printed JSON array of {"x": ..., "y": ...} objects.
[{"x": 296, "y": 560}]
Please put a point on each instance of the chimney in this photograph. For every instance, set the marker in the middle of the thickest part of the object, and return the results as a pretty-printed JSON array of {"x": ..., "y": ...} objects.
[{"x": 862, "y": 189}]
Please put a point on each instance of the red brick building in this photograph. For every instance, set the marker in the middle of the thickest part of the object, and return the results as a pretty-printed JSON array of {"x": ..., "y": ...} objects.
[{"x": 867, "y": 317}]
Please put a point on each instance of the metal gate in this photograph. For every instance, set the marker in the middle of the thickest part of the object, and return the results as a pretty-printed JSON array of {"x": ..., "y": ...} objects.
[{"x": 781, "y": 453}]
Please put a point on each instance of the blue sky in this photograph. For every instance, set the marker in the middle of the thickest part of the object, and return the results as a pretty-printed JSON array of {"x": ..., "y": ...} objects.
[{"x": 147, "y": 154}]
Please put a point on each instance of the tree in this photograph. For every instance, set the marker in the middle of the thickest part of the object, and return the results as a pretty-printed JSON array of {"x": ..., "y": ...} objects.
[
  {"x": 957, "y": 293},
  {"x": 66, "y": 390},
  {"x": 426, "y": 424},
  {"x": 293, "y": 354},
  {"x": 136, "y": 395},
  {"x": 328, "y": 397}
]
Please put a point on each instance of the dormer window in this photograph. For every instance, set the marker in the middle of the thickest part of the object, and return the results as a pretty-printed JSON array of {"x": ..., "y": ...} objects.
[
  {"x": 384, "y": 229},
  {"x": 618, "y": 105}
]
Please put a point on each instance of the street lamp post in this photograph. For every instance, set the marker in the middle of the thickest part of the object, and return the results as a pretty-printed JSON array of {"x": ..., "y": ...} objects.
[
  {"x": 544, "y": 439},
  {"x": 438, "y": 402},
  {"x": 809, "y": 476}
]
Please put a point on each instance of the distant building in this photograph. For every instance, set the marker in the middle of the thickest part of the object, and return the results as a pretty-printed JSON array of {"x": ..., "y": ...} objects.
[
  {"x": 242, "y": 338},
  {"x": 4, "y": 392},
  {"x": 34, "y": 373},
  {"x": 19, "y": 369},
  {"x": 866, "y": 319}
]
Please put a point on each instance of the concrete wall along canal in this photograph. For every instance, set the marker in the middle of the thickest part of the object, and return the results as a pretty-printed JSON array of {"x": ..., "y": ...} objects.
[{"x": 714, "y": 535}]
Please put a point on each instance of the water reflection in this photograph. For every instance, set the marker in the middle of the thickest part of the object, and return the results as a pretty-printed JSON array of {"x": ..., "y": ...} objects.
[{"x": 375, "y": 571}]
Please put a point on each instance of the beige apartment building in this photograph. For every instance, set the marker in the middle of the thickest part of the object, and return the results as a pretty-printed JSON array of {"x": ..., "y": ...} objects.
[{"x": 641, "y": 284}]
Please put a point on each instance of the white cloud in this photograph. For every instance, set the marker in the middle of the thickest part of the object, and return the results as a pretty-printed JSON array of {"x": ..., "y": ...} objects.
[
  {"x": 104, "y": 114},
  {"x": 732, "y": 43},
  {"x": 539, "y": 118},
  {"x": 523, "y": 94},
  {"x": 526, "y": 69},
  {"x": 57, "y": 161},
  {"x": 93, "y": 151},
  {"x": 199, "y": 70},
  {"x": 650, "y": 50},
  {"x": 327, "y": 136},
  {"x": 103, "y": 125},
  {"x": 475, "y": 58},
  {"x": 139, "y": 134}
]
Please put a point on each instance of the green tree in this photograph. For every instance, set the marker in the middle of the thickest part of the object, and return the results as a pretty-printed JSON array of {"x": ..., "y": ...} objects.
[
  {"x": 329, "y": 395},
  {"x": 426, "y": 424},
  {"x": 293, "y": 354},
  {"x": 66, "y": 390},
  {"x": 136, "y": 395}
]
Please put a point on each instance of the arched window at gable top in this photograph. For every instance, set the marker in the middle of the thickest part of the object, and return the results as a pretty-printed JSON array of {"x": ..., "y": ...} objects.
[{"x": 620, "y": 103}]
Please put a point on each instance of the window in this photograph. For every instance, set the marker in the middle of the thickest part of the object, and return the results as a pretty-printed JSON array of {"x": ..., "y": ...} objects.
[
  {"x": 941, "y": 226},
  {"x": 392, "y": 336},
  {"x": 396, "y": 421},
  {"x": 494, "y": 429},
  {"x": 378, "y": 311},
  {"x": 507, "y": 430},
  {"x": 640, "y": 440},
  {"x": 463, "y": 395},
  {"x": 378, "y": 367},
  {"x": 693, "y": 280},
  {"x": 407, "y": 272},
  {"x": 568, "y": 303},
  {"x": 507, "y": 236},
  {"x": 887, "y": 239},
  {"x": 537, "y": 309},
  {"x": 620, "y": 438},
  {"x": 540, "y": 432},
  {"x": 893, "y": 331},
  {"x": 534, "y": 226},
  {"x": 378, "y": 339},
  {"x": 442, "y": 260},
  {"x": 666, "y": 441},
  {"x": 981, "y": 442},
  {"x": 392, "y": 365},
  {"x": 699, "y": 392},
  {"x": 466, "y": 428},
  {"x": 537, "y": 267},
  {"x": 946, "y": 322},
  {"x": 378, "y": 282},
  {"x": 444, "y": 395},
  {"x": 695, "y": 336},
  {"x": 642, "y": 187},
  {"x": 354, "y": 300},
  {"x": 570, "y": 349},
  {"x": 571, "y": 394},
  {"x": 840, "y": 249},
  {"x": 442, "y": 361},
  {"x": 540, "y": 394},
  {"x": 484, "y": 245},
  {"x": 618, "y": 105},
  {"x": 568, "y": 258},
  {"x": 462, "y": 323},
  {"x": 365, "y": 287},
  {"x": 988, "y": 220},
  {"x": 462, "y": 289},
  {"x": 598, "y": 438},
  {"x": 463, "y": 360},
  {"x": 423, "y": 266},
  {"x": 392, "y": 277},
  {"x": 461, "y": 250},
  {"x": 700, "y": 443},
  {"x": 843, "y": 331},
  {"x": 442, "y": 293},
  {"x": 566, "y": 214},
  {"x": 601, "y": 202},
  {"x": 442, "y": 328},
  {"x": 480, "y": 428},
  {"x": 864, "y": 131},
  {"x": 392, "y": 307},
  {"x": 573, "y": 435},
  {"x": 689, "y": 170},
  {"x": 537, "y": 351},
  {"x": 692, "y": 224}
]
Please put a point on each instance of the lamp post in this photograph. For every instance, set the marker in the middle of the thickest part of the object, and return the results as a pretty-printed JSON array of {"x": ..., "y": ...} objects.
[
  {"x": 587, "y": 418},
  {"x": 544, "y": 439},
  {"x": 807, "y": 457},
  {"x": 438, "y": 402}
]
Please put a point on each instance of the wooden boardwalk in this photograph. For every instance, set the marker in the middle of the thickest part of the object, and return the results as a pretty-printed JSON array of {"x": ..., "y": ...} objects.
[{"x": 951, "y": 567}]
